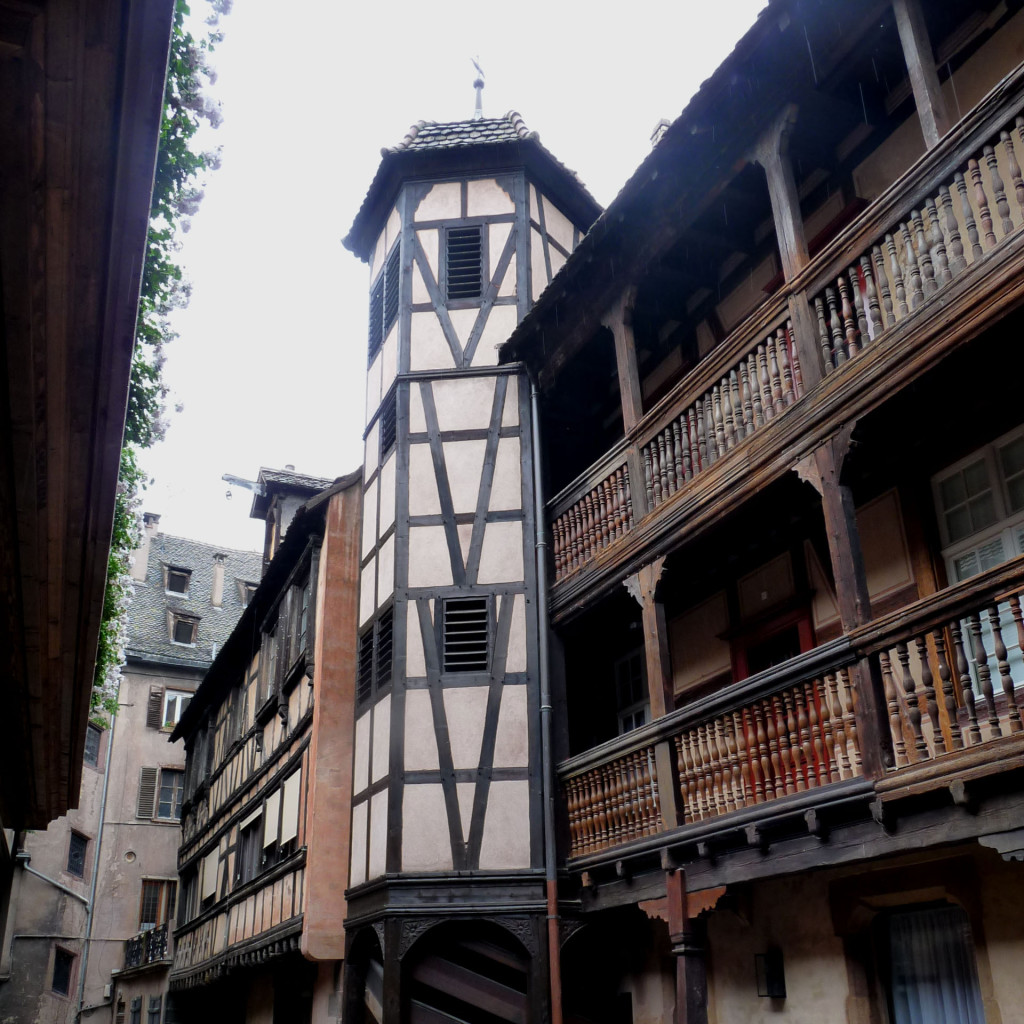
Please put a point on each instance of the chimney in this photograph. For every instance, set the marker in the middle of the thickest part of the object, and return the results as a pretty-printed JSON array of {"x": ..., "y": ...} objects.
[
  {"x": 150, "y": 526},
  {"x": 217, "y": 589},
  {"x": 659, "y": 130}
]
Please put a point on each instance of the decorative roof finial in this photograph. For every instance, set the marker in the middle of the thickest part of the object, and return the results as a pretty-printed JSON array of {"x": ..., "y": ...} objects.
[{"x": 478, "y": 84}]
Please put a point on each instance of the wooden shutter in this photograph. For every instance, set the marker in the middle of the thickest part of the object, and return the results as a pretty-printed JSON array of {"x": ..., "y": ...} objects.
[
  {"x": 290, "y": 807},
  {"x": 147, "y": 793},
  {"x": 273, "y": 813},
  {"x": 155, "y": 710},
  {"x": 210, "y": 862}
]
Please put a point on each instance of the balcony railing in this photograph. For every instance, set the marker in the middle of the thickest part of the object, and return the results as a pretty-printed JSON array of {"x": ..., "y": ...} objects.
[
  {"x": 957, "y": 205},
  {"x": 148, "y": 947},
  {"x": 950, "y": 686}
]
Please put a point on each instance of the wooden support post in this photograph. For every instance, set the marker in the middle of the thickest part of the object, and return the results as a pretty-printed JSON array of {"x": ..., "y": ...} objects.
[
  {"x": 822, "y": 470},
  {"x": 689, "y": 946},
  {"x": 619, "y": 320},
  {"x": 391, "y": 1006},
  {"x": 924, "y": 79},
  {"x": 642, "y": 586}
]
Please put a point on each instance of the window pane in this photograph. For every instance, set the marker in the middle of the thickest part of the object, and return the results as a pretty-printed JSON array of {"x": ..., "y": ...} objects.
[
  {"x": 952, "y": 491},
  {"x": 976, "y": 478},
  {"x": 62, "y": 963},
  {"x": 171, "y": 786},
  {"x": 1012, "y": 457},
  {"x": 149, "y": 905},
  {"x": 1015, "y": 492},
  {"x": 76, "y": 854},
  {"x": 92, "y": 745},
  {"x": 958, "y": 524},
  {"x": 983, "y": 511}
]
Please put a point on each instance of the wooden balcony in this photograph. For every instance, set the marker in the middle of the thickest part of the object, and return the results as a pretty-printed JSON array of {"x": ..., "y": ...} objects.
[
  {"x": 790, "y": 739},
  {"x": 929, "y": 265}
]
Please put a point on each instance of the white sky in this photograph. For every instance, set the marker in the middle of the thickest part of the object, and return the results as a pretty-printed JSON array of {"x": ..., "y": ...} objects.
[{"x": 270, "y": 362}]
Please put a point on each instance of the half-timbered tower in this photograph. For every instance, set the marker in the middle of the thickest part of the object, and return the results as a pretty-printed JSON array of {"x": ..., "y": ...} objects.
[{"x": 463, "y": 227}]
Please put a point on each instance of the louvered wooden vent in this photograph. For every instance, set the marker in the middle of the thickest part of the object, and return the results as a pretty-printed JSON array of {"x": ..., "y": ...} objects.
[
  {"x": 364, "y": 675},
  {"x": 376, "y": 318},
  {"x": 388, "y": 414},
  {"x": 384, "y": 650},
  {"x": 464, "y": 262},
  {"x": 391, "y": 280},
  {"x": 374, "y": 667},
  {"x": 466, "y": 621}
]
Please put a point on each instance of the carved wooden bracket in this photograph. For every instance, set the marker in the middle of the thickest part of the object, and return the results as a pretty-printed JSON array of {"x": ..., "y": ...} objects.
[{"x": 643, "y": 584}]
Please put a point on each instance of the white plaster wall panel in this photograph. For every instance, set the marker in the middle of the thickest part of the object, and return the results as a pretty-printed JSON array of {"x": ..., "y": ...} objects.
[
  {"x": 426, "y": 844},
  {"x": 512, "y": 740},
  {"x": 497, "y": 236},
  {"x": 366, "y": 594},
  {"x": 373, "y": 387},
  {"x": 499, "y": 327},
  {"x": 464, "y": 463},
  {"x": 392, "y": 230},
  {"x": 463, "y": 320},
  {"x": 429, "y": 562},
  {"x": 381, "y": 739},
  {"x": 428, "y": 347},
  {"x": 506, "y": 488},
  {"x": 417, "y": 421},
  {"x": 371, "y": 451},
  {"x": 464, "y": 403},
  {"x": 378, "y": 256},
  {"x": 501, "y": 556},
  {"x": 430, "y": 239},
  {"x": 387, "y": 493},
  {"x": 465, "y": 532},
  {"x": 509, "y": 282},
  {"x": 465, "y": 708},
  {"x": 534, "y": 206},
  {"x": 557, "y": 262},
  {"x": 419, "y": 286},
  {"x": 378, "y": 834},
  {"x": 386, "y": 570},
  {"x": 441, "y": 202},
  {"x": 420, "y": 741},
  {"x": 506, "y": 838},
  {"x": 389, "y": 359},
  {"x": 415, "y": 662},
  {"x": 538, "y": 268},
  {"x": 485, "y": 197},
  {"x": 510, "y": 414},
  {"x": 423, "y": 496},
  {"x": 465, "y": 792},
  {"x": 559, "y": 227},
  {"x": 361, "y": 754},
  {"x": 369, "y": 518},
  {"x": 516, "y": 660}
]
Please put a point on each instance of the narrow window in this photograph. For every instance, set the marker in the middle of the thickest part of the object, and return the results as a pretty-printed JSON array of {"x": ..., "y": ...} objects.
[
  {"x": 466, "y": 625},
  {"x": 249, "y": 850},
  {"x": 92, "y": 745},
  {"x": 63, "y": 961},
  {"x": 178, "y": 581},
  {"x": 77, "y": 846},
  {"x": 172, "y": 784},
  {"x": 156, "y": 904},
  {"x": 364, "y": 672},
  {"x": 373, "y": 671},
  {"x": 464, "y": 262}
]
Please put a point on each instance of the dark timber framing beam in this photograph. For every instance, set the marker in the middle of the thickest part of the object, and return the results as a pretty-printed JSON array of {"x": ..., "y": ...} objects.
[{"x": 924, "y": 79}]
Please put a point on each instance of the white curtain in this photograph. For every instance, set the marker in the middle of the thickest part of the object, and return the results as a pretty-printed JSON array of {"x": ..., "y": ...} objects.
[{"x": 934, "y": 975}]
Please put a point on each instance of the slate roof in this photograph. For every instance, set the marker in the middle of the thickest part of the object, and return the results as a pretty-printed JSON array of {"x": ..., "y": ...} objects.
[
  {"x": 148, "y": 634},
  {"x": 271, "y": 481},
  {"x": 432, "y": 135}
]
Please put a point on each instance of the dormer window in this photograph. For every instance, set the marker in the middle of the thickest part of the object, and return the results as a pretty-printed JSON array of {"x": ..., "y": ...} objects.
[
  {"x": 176, "y": 580},
  {"x": 246, "y": 591},
  {"x": 184, "y": 629}
]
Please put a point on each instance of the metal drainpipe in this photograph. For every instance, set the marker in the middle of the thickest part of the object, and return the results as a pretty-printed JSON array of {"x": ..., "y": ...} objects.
[
  {"x": 95, "y": 872},
  {"x": 547, "y": 765}
]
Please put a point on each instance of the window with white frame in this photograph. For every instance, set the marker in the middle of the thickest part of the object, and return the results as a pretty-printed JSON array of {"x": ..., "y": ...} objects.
[
  {"x": 632, "y": 704},
  {"x": 175, "y": 702}
]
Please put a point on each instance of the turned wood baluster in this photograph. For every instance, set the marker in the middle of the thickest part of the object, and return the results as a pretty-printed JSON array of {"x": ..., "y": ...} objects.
[
  {"x": 782, "y": 729},
  {"x": 719, "y": 420},
  {"x": 775, "y": 376},
  {"x": 714, "y": 769},
  {"x": 629, "y": 806},
  {"x": 589, "y": 549},
  {"x": 874, "y": 311},
  {"x": 601, "y": 508},
  {"x": 685, "y": 815},
  {"x": 745, "y": 398},
  {"x": 1004, "y": 669},
  {"x": 931, "y": 704},
  {"x": 796, "y": 749},
  {"x": 782, "y": 348},
  {"x": 730, "y": 768},
  {"x": 682, "y": 453},
  {"x": 882, "y": 283},
  {"x": 981, "y": 201},
  {"x": 615, "y": 485},
  {"x": 924, "y": 257},
  {"x": 571, "y": 810},
  {"x": 577, "y": 543},
  {"x": 738, "y": 756},
  {"x": 691, "y": 429},
  {"x": 666, "y": 461},
  {"x": 556, "y": 546},
  {"x": 701, "y": 795},
  {"x": 1014, "y": 168},
  {"x": 728, "y": 431},
  {"x": 850, "y": 721},
  {"x": 835, "y": 328},
  {"x": 938, "y": 244},
  {"x": 893, "y": 705},
  {"x": 754, "y": 373},
  {"x": 655, "y": 472},
  {"x": 752, "y": 756},
  {"x": 998, "y": 190},
  {"x": 610, "y": 832},
  {"x": 709, "y": 427},
  {"x": 764, "y": 752},
  {"x": 963, "y": 672},
  {"x": 913, "y": 707},
  {"x": 827, "y": 731},
  {"x": 772, "y": 731},
  {"x": 850, "y": 331},
  {"x": 968, "y": 213},
  {"x": 648, "y": 475},
  {"x": 913, "y": 270},
  {"x": 633, "y": 775},
  {"x": 1014, "y": 602},
  {"x": 649, "y": 788},
  {"x": 629, "y": 499},
  {"x": 592, "y": 810},
  {"x": 689, "y": 780},
  {"x": 858, "y": 307},
  {"x": 739, "y": 413},
  {"x": 824, "y": 338},
  {"x": 720, "y": 775},
  {"x": 803, "y": 729},
  {"x": 822, "y": 769},
  {"x": 794, "y": 360},
  {"x": 981, "y": 667},
  {"x": 897, "y": 276},
  {"x": 625, "y": 501},
  {"x": 838, "y": 727},
  {"x": 708, "y": 762},
  {"x": 582, "y": 814},
  {"x": 946, "y": 686},
  {"x": 955, "y": 247},
  {"x": 765, "y": 385},
  {"x": 702, "y": 440}
]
